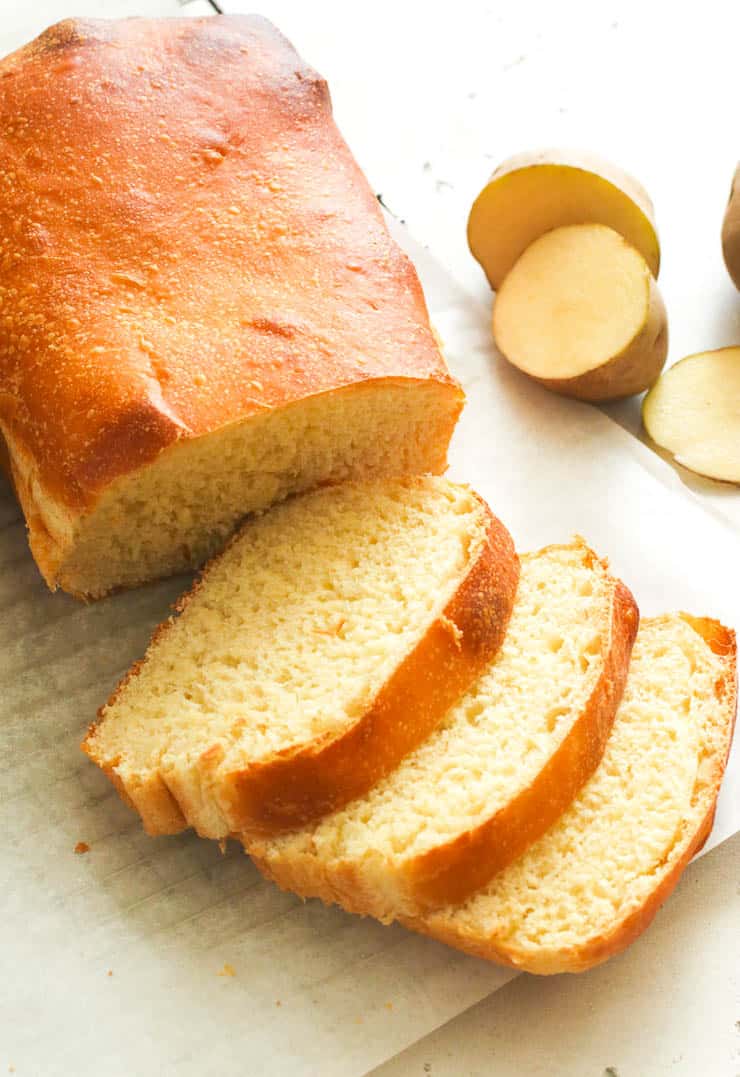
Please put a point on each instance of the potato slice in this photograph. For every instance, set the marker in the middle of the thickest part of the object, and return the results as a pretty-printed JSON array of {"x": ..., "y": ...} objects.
[
  {"x": 581, "y": 313},
  {"x": 731, "y": 231},
  {"x": 693, "y": 411},
  {"x": 533, "y": 193}
]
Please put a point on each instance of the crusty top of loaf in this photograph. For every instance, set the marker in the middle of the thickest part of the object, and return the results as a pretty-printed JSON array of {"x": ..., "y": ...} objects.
[{"x": 185, "y": 240}]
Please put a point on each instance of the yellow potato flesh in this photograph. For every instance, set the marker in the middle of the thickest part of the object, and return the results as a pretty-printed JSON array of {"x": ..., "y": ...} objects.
[
  {"x": 575, "y": 300},
  {"x": 518, "y": 206},
  {"x": 693, "y": 411}
]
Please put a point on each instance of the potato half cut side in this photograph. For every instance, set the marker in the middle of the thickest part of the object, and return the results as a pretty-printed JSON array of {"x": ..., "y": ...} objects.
[
  {"x": 581, "y": 313},
  {"x": 693, "y": 411},
  {"x": 731, "y": 231},
  {"x": 532, "y": 193}
]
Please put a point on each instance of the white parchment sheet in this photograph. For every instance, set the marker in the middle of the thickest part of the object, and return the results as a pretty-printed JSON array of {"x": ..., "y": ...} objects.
[{"x": 163, "y": 956}]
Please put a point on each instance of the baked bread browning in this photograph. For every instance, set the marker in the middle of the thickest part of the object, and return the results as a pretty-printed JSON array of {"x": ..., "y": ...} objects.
[
  {"x": 594, "y": 882},
  {"x": 323, "y": 645},
  {"x": 203, "y": 311},
  {"x": 497, "y": 772}
]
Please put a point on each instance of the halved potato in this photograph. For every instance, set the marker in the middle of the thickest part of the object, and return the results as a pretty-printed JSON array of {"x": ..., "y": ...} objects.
[
  {"x": 693, "y": 411},
  {"x": 533, "y": 193},
  {"x": 581, "y": 313},
  {"x": 731, "y": 231}
]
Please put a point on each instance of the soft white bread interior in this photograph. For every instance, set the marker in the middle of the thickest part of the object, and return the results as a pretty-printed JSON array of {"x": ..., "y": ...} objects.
[
  {"x": 501, "y": 767},
  {"x": 325, "y": 643},
  {"x": 594, "y": 882},
  {"x": 176, "y": 512}
]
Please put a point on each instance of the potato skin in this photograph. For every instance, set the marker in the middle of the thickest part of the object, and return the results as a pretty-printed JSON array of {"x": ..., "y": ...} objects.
[
  {"x": 731, "y": 231},
  {"x": 604, "y": 175}
]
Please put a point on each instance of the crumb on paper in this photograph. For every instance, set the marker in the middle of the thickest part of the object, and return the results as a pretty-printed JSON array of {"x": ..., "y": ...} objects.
[
  {"x": 278, "y": 1002},
  {"x": 81, "y": 848},
  {"x": 227, "y": 970},
  {"x": 358, "y": 1019},
  {"x": 110, "y": 972},
  {"x": 427, "y": 1067},
  {"x": 611, "y": 1071},
  {"x": 389, "y": 1005}
]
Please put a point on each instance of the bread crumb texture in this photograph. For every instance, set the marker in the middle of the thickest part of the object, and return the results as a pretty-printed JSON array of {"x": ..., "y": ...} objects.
[
  {"x": 495, "y": 741},
  {"x": 297, "y": 626},
  {"x": 175, "y": 513},
  {"x": 608, "y": 852}
]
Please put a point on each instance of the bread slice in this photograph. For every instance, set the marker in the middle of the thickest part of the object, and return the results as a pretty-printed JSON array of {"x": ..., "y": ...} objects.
[
  {"x": 327, "y": 641},
  {"x": 203, "y": 311},
  {"x": 506, "y": 761},
  {"x": 594, "y": 882}
]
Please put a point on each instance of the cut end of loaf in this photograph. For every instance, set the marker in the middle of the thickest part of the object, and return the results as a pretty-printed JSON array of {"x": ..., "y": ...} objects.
[{"x": 175, "y": 513}]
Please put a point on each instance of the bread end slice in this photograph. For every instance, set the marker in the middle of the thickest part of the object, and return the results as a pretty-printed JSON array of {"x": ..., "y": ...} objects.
[{"x": 564, "y": 907}]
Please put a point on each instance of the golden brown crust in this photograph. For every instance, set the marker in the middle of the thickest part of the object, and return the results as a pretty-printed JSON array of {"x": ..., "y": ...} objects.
[
  {"x": 300, "y": 784},
  {"x": 450, "y": 872},
  {"x": 185, "y": 241},
  {"x": 601, "y": 947}
]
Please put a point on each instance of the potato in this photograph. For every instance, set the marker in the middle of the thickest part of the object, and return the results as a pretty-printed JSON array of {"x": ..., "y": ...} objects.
[
  {"x": 693, "y": 411},
  {"x": 731, "y": 231},
  {"x": 581, "y": 313},
  {"x": 532, "y": 193}
]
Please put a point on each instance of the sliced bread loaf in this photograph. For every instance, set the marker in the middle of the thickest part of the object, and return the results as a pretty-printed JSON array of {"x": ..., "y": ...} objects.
[
  {"x": 594, "y": 882},
  {"x": 325, "y": 643},
  {"x": 203, "y": 311},
  {"x": 497, "y": 772}
]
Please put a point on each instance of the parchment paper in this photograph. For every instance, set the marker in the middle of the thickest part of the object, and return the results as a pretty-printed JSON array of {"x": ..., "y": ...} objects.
[{"x": 162, "y": 956}]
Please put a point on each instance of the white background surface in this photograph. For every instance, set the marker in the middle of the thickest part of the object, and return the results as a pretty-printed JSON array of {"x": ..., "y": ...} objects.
[{"x": 430, "y": 98}]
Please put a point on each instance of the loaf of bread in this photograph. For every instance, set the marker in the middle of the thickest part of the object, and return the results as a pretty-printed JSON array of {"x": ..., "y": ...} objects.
[
  {"x": 497, "y": 772},
  {"x": 324, "y": 644},
  {"x": 202, "y": 309},
  {"x": 593, "y": 883}
]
